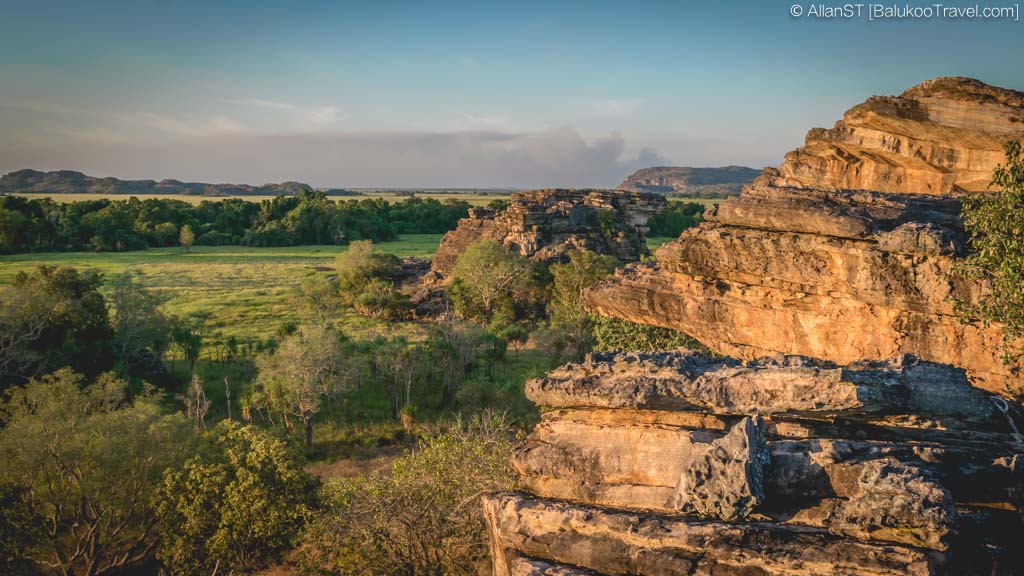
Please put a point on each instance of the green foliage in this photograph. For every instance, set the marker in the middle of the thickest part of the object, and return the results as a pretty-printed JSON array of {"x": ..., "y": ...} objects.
[
  {"x": 365, "y": 281},
  {"x": 21, "y": 527},
  {"x": 89, "y": 459},
  {"x": 995, "y": 223},
  {"x": 677, "y": 217},
  {"x": 615, "y": 334},
  {"x": 566, "y": 311},
  {"x": 307, "y": 218},
  {"x": 186, "y": 238},
  {"x": 307, "y": 367},
  {"x": 423, "y": 515},
  {"x": 489, "y": 281},
  {"x": 53, "y": 317},
  {"x": 139, "y": 324},
  {"x": 235, "y": 505}
]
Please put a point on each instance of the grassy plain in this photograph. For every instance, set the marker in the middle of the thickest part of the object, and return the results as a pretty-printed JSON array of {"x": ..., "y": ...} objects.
[
  {"x": 236, "y": 291},
  {"x": 231, "y": 290}
]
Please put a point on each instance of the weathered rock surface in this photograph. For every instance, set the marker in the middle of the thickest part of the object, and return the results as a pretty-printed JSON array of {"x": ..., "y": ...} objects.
[
  {"x": 681, "y": 463},
  {"x": 545, "y": 224},
  {"x": 845, "y": 251},
  {"x": 684, "y": 181},
  {"x": 725, "y": 481}
]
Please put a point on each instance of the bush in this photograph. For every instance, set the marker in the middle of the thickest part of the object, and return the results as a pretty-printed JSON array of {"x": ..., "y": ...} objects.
[
  {"x": 89, "y": 460},
  {"x": 677, "y": 217},
  {"x": 423, "y": 517},
  {"x": 615, "y": 334},
  {"x": 238, "y": 503},
  {"x": 995, "y": 223}
]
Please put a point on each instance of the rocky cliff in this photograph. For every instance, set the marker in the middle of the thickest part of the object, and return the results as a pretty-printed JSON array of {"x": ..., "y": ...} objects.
[
  {"x": 844, "y": 251},
  {"x": 679, "y": 463},
  {"x": 685, "y": 181},
  {"x": 544, "y": 224}
]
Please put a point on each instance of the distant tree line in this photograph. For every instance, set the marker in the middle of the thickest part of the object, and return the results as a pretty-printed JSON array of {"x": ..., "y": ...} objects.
[{"x": 41, "y": 224}]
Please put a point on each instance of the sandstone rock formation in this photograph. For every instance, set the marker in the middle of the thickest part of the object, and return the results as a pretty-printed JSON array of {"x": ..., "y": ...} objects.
[
  {"x": 545, "y": 224},
  {"x": 683, "y": 181},
  {"x": 844, "y": 252},
  {"x": 679, "y": 463}
]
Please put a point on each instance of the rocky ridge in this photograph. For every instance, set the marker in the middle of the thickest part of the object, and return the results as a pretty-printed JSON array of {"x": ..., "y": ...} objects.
[
  {"x": 545, "y": 224},
  {"x": 844, "y": 252},
  {"x": 680, "y": 463},
  {"x": 684, "y": 181},
  {"x": 71, "y": 182}
]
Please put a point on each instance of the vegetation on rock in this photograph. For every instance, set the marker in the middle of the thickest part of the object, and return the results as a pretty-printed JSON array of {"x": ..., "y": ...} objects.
[{"x": 995, "y": 222}]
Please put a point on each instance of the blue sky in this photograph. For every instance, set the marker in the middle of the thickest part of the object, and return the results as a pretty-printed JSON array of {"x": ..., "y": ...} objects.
[{"x": 449, "y": 93}]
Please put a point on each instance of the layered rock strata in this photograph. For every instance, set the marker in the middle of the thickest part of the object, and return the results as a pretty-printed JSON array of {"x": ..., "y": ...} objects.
[
  {"x": 679, "y": 463},
  {"x": 845, "y": 250},
  {"x": 545, "y": 224}
]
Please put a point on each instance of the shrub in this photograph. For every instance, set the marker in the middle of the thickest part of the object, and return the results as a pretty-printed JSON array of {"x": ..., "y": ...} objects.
[
  {"x": 995, "y": 223},
  {"x": 238, "y": 503},
  {"x": 89, "y": 461},
  {"x": 423, "y": 516},
  {"x": 615, "y": 334}
]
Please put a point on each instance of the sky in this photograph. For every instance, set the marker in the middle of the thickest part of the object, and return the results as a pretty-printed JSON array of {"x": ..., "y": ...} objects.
[{"x": 451, "y": 94}]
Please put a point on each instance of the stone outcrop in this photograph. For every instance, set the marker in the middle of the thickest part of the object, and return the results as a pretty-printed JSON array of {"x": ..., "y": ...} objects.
[
  {"x": 684, "y": 181},
  {"x": 680, "y": 463},
  {"x": 545, "y": 224},
  {"x": 844, "y": 251}
]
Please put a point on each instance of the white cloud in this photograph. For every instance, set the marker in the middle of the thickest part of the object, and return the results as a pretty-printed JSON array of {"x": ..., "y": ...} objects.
[
  {"x": 616, "y": 106},
  {"x": 554, "y": 157}
]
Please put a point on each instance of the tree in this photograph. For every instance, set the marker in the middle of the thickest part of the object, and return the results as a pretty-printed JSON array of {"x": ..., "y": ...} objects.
[
  {"x": 187, "y": 338},
  {"x": 306, "y": 368},
  {"x": 21, "y": 527},
  {"x": 995, "y": 224},
  {"x": 164, "y": 233},
  {"x": 53, "y": 317},
  {"x": 237, "y": 503},
  {"x": 89, "y": 459},
  {"x": 454, "y": 348},
  {"x": 488, "y": 280},
  {"x": 319, "y": 299},
  {"x": 365, "y": 281},
  {"x": 399, "y": 364},
  {"x": 186, "y": 237},
  {"x": 422, "y": 515},
  {"x": 583, "y": 269},
  {"x": 139, "y": 324}
]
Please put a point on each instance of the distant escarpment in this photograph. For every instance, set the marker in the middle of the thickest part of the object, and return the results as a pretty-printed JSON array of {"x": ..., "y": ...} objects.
[
  {"x": 71, "y": 182},
  {"x": 678, "y": 463},
  {"x": 844, "y": 252},
  {"x": 545, "y": 224},
  {"x": 682, "y": 181}
]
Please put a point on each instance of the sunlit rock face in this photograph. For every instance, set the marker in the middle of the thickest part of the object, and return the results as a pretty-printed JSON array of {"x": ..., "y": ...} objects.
[
  {"x": 679, "y": 463},
  {"x": 545, "y": 224},
  {"x": 844, "y": 252}
]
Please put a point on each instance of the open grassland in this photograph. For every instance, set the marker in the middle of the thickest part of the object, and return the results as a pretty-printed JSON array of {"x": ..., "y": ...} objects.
[
  {"x": 235, "y": 291},
  {"x": 474, "y": 199},
  {"x": 238, "y": 291}
]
